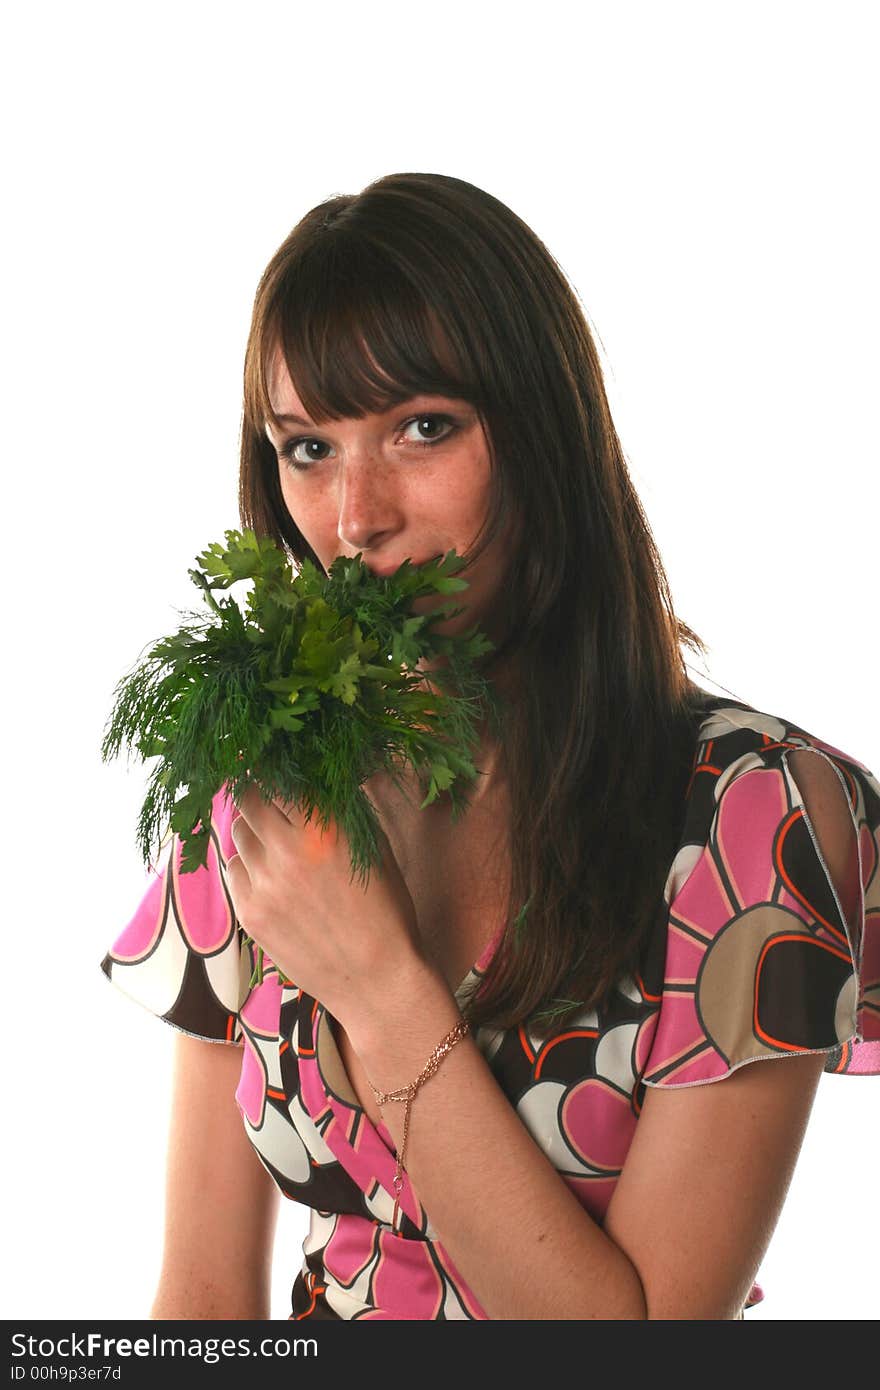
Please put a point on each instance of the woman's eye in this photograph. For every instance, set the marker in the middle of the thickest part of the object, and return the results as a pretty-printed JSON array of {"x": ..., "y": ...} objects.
[
  {"x": 288, "y": 451},
  {"x": 300, "y": 453},
  {"x": 419, "y": 420}
]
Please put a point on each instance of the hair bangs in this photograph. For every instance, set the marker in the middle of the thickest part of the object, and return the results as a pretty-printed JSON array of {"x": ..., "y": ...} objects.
[{"x": 357, "y": 336}]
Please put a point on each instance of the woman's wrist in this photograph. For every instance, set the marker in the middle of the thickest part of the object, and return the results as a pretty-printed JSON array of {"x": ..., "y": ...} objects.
[{"x": 395, "y": 1029}]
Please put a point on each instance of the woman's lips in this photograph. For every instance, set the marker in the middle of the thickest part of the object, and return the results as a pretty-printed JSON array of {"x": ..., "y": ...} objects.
[{"x": 383, "y": 571}]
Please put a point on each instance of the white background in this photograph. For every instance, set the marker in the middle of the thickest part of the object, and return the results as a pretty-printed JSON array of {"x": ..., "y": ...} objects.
[{"x": 702, "y": 174}]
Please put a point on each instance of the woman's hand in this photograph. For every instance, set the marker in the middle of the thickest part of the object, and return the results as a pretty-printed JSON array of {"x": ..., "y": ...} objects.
[{"x": 292, "y": 889}]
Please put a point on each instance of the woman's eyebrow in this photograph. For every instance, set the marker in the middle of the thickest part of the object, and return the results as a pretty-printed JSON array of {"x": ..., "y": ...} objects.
[
  {"x": 309, "y": 424},
  {"x": 293, "y": 419}
]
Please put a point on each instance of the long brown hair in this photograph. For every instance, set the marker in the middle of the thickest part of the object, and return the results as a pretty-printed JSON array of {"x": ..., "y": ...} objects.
[{"x": 426, "y": 283}]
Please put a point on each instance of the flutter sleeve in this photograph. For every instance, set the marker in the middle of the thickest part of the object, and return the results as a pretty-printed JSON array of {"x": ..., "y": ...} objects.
[
  {"x": 772, "y": 944},
  {"x": 182, "y": 955}
]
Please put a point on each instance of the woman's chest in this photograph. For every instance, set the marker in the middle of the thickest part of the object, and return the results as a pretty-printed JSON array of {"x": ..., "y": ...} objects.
[{"x": 459, "y": 880}]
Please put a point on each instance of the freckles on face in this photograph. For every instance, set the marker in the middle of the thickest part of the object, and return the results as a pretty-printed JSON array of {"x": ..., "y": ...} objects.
[{"x": 381, "y": 485}]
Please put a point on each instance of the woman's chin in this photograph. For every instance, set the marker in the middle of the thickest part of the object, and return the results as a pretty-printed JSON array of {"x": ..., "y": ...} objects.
[{"x": 430, "y": 603}]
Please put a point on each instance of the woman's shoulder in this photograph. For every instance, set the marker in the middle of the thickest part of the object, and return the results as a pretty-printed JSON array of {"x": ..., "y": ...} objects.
[
  {"x": 771, "y": 926},
  {"x": 735, "y": 727},
  {"x": 738, "y": 732},
  {"x": 734, "y": 739}
]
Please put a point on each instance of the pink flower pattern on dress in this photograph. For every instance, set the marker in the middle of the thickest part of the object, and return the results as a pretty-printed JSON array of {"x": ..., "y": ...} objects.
[{"x": 751, "y": 959}]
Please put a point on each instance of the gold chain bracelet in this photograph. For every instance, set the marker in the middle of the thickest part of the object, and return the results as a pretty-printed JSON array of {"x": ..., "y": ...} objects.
[{"x": 406, "y": 1094}]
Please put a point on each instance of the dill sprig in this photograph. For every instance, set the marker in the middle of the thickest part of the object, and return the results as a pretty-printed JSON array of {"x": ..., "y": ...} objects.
[{"x": 304, "y": 693}]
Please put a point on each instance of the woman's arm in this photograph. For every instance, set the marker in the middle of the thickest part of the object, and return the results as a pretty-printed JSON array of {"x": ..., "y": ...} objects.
[
  {"x": 690, "y": 1219},
  {"x": 703, "y": 1183},
  {"x": 221, "y": 1204}
]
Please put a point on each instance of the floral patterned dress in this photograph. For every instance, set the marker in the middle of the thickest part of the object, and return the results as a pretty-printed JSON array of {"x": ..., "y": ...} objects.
[{"x": 751, "y": 960}]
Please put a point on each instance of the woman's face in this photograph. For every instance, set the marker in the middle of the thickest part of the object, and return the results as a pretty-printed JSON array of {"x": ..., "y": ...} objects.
[{"x": 382, "y": 486}]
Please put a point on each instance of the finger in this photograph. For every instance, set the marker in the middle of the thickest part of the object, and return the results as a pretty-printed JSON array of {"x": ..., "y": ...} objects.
[
  {"x": 257, "y": 814},
  {"x": 248, "y": 843},
  {"x": 293, "y": 812},
  {"x": 238, "y": 883}
]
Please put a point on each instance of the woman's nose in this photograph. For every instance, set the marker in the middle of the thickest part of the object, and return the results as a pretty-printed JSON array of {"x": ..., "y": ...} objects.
[{"x": 369, "y": 510}]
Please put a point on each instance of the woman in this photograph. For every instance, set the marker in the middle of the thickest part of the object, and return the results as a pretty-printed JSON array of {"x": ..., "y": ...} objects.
[{"x": 651, "y": 887}]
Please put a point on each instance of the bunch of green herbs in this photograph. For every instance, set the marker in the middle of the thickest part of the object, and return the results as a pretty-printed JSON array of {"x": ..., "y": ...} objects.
[{"x": 305, "y": 693}]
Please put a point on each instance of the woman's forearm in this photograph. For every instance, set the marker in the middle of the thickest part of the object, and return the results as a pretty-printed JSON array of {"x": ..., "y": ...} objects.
[
  {"x": 515, "y": 1232},
  {"x": 205, "y": 1301}
]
